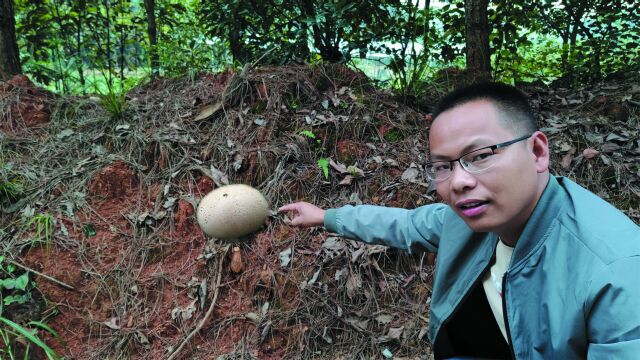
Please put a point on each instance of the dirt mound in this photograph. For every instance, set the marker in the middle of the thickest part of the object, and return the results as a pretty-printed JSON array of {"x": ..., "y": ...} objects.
[
  {"x": 146, "y": 281},
  {"x": 123, "y": 194},
  {"x": 23, "y": 105},
  {"x": 113, "y": 181}
]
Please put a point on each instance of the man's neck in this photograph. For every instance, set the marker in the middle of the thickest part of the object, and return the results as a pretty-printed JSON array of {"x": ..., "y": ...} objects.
[
  {"x": 509, "y": 241},
  {"x": 510, "y": 237}
]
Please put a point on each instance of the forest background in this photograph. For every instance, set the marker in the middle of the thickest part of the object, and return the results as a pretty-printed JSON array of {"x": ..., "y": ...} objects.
[{"x": 84, "y": 46}]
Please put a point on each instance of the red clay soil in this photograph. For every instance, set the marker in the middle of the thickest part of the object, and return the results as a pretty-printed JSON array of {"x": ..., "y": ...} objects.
[
  {"x": 93, "y": 266},
  {"x": 141, "y": 315},
  {"x": 31, "y": 111},
  {"x": 100, "y": 307}
]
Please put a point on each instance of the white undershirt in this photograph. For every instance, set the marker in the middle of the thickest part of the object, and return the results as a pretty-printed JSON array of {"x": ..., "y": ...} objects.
[{"x": 492, "y": 283}]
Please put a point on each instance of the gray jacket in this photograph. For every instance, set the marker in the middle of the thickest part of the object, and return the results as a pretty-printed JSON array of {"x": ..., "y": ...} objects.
[{"x": 572, "y": 289}]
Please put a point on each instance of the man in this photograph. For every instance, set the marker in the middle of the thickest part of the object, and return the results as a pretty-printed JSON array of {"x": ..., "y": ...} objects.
[{"x": 529, "y": 266}]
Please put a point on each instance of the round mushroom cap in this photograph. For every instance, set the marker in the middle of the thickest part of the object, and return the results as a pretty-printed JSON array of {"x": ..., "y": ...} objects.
[{"x": 232, "y": 211}]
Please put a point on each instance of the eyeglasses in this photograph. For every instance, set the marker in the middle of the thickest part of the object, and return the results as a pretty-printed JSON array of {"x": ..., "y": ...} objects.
[{"x": 473, "y": 162}]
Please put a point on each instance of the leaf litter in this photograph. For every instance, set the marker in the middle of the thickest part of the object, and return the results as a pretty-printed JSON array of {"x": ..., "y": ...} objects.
[{"x": 146, "y": 274}]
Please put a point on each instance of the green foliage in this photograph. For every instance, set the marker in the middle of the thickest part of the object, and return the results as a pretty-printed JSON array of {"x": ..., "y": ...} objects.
[
  {"x": 11, "y": 186},
  {"x": 574, "y": 40},
  {"x": 541, "y": 63},
  {"x": 44, "y": 226},
  {"x": 308, "y": 133},
  {"x": 452, "y": 34},
  {"x": 65, "y": 43},
  {"x": 9, "y": 189},
  {"x": 15, "y": 287},
  {"x": 293, "y": 105},
  {"x": 311, "y": 135},
  {"x": 512, "y": 31},
  {"x": 114, "y": 102},
  {"x": 183, "y": 45},
  {"x": 89, "y": 230},
  {"x": 65, "y": 40},
  {"x": 10, "y": 330},
  {"x": 334, "y": 29},
  {"x": 408, "y": 44},
  {"x": 394, "y": 135},
  {"x": 323, "y": 164}
]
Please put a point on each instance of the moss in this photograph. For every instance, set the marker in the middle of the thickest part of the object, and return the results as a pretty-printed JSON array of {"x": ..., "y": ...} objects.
[{"x": 394, "y": 135}]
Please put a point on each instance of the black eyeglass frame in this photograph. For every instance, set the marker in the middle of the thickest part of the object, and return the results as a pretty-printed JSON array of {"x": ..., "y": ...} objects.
[{"x": 492, "y": 147}]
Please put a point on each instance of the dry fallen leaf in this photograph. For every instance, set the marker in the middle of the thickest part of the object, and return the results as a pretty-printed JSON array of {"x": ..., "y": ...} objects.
[
  {"x": 341, "y": 168},
  {"x": 347, "y": 180},
  {"x": 566, "y": 161},
  {"x": 236, "y": 261},
  {"x": 265, "y": 277},
  {"x": 395, "y": 333},
  {"x": 610, "y": 147},
  {"x": 354, "y": 283},
  {"x": 410, "y": 175},
  {"x": 208, "y": 111},
  {"x": 590, "y": 153},
  {"x": 112, "y": 323}
]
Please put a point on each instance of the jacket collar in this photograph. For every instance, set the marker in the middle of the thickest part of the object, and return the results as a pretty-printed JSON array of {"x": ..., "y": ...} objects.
[{"x": 545, "y": 213}]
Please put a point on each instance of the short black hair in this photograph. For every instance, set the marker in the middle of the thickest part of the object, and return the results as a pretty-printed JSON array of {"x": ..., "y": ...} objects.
[{"x": 510, "y": 102}]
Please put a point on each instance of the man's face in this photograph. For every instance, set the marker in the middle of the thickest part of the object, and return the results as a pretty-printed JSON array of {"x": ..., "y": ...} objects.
[{"x": 501, "y": 198}]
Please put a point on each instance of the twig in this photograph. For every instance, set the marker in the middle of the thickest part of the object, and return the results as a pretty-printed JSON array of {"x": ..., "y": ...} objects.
[
  {"x": 43, "y": 275},
  {"x": 636, "y": 103},
  {"x": 209, "y": 311}
]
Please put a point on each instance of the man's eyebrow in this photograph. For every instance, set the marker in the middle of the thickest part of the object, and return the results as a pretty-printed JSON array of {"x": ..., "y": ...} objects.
[
  {"x": 478, "y": 143},
  {"x": 436, "y": 157}
]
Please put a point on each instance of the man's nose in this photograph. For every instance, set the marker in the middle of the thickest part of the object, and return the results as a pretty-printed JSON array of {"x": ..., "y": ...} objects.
[{"x": 460, "y": 178}]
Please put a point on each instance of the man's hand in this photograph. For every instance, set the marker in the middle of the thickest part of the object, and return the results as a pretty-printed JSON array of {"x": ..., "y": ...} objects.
[{"x": 304, "y": 214}]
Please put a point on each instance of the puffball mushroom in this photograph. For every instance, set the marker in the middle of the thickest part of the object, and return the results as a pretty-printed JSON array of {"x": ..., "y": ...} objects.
[{"x": 232, "y": 211}]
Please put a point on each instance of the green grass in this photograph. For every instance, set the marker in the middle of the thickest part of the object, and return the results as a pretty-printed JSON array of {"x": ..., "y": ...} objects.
[
  {"x": 10, "y": 330},
  {"x": 45, "y": 227}
]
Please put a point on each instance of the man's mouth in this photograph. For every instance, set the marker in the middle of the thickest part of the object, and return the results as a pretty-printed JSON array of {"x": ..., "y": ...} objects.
[
  {"x": 472, "y": 208},
  {"x": 470, "y": 205}
]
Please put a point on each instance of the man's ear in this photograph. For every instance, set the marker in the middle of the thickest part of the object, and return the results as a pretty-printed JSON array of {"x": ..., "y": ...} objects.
[{"x": 540, "y": 151}]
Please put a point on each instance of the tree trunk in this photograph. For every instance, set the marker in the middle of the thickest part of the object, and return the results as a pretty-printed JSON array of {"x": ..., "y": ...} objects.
[
  {"x": 323, "y": 36},
  {"x": 477, "y": 39},
  {"x": 107, "y": 6},
  {"x": 152, "y": 31},
  {"x": 9, "y": 54},
  {"x": 81, "y": 15},
  {"x": 123, "y": 41},
  {"x": 238, "y": 49},
  {"x": 565, "y": 48},
  {"x": 59, "y": 52},
  {"x": 122, "y": 61}
]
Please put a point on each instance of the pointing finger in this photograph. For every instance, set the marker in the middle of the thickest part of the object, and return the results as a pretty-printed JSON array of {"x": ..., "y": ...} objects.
[{"x": 288, "y": 207}]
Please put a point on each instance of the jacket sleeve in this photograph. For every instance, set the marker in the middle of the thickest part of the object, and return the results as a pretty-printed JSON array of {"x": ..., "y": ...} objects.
[
  {"x": 614, "y": 311},
  {"x": 394, "y": 227}
]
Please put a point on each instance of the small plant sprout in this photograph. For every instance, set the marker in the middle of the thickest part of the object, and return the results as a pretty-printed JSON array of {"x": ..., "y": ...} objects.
[
  {"x": 308, "y": 133},
  {"x": 311, "y": 135},
  {"x": 323, "y": 164},
  {"x": 45, "y": 226},
  {"x": 14, "y": 288}
]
